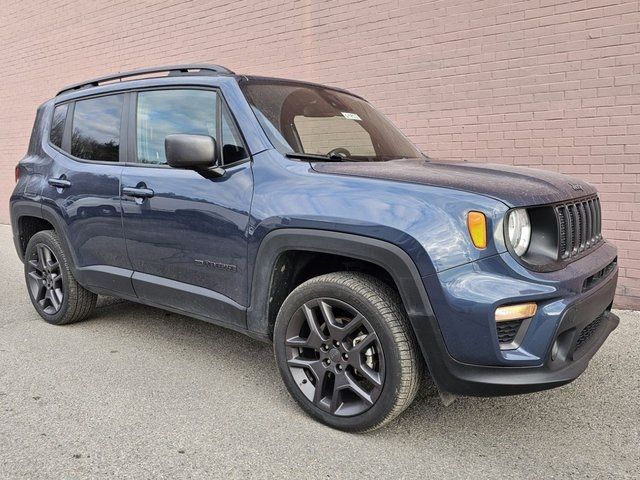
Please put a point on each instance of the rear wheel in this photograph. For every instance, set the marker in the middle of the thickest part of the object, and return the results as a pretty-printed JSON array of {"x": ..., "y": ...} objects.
[
  {"x": 346, "y": 351},
  {"x": 53, "y": 290}
]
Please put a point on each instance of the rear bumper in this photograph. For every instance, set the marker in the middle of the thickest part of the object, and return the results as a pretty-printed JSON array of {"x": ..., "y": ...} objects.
[{"x": 581, "y": 327}]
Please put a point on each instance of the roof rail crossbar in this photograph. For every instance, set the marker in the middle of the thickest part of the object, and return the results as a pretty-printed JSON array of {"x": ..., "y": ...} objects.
[{"x": 173, "y": 70}]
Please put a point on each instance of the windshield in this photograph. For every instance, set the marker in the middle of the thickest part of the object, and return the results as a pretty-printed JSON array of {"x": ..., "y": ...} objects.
[{"x": 308, "y": 119}]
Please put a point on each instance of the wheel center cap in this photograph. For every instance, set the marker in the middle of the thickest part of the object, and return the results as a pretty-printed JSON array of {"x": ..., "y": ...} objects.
[{"x": 334, "y": 354}]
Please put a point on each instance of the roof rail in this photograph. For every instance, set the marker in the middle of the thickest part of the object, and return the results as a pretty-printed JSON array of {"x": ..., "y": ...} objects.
[{"x": 174, "y": 70}]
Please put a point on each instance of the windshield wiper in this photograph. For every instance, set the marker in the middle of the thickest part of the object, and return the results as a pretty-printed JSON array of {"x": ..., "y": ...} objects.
[{"x": 322, "y": 158}]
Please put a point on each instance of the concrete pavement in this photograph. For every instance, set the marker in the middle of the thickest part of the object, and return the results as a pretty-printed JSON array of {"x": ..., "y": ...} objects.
[{"x": 136, "y": 392}]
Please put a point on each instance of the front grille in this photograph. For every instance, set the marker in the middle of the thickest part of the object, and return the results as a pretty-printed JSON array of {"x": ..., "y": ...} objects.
[
  {"x": 580, "y": 226},
  {"x": 507, "y": 331},
  {"x": 588, "y": 331}
]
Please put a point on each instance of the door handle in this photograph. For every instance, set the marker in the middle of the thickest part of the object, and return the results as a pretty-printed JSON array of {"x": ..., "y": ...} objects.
[
  {"x": 138, "y": 192},
  {"x": 59, "y": 182}
]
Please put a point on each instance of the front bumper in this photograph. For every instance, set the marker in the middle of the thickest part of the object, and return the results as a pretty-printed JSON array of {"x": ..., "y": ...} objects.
[
  {"x": 569, "y": 362},
  {"x": 559, "y": 343}
]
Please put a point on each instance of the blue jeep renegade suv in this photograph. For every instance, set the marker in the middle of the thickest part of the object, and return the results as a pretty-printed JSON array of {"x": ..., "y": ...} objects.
[{"x": 297, "y": 214}]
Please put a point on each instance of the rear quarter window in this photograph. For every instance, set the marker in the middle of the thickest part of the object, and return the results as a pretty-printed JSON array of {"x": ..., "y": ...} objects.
[{"x": 57, "y": 125}]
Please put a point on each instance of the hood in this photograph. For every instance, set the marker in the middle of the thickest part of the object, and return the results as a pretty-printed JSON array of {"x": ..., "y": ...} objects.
[{"x": 515, "y": 186}]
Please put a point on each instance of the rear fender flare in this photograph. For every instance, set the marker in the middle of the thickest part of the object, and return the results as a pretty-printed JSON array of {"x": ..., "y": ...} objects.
[{"x": 32, "y": 209}]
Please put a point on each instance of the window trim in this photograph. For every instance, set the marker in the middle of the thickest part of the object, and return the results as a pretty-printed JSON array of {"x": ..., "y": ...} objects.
[
  {"x": 128, "y": 154},
  {"x": 219, "y": 129}
]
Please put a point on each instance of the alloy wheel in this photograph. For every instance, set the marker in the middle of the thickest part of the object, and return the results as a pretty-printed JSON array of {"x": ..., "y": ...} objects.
[
  {"x": 44, "y": 278},
  {"x": 335, "y": 357}
]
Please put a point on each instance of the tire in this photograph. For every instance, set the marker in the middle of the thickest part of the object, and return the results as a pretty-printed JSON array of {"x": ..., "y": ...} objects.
[
  {"x": 53, "y": 290},
  {"x": 372, "y": 373}
]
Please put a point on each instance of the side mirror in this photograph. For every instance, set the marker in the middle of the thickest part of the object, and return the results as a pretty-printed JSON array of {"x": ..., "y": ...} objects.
[{"x": 190, "y": 151}]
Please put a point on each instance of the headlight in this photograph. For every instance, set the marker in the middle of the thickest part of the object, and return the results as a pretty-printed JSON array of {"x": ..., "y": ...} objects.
[{"x": 519, "y": 231}]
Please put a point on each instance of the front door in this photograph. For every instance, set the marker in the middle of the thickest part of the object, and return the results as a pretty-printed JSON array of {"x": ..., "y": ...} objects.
[{"x": 186, "y": 233}]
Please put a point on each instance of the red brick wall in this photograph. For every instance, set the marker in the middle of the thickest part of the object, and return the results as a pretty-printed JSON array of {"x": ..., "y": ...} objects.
[{"x": 546, "y": 83}]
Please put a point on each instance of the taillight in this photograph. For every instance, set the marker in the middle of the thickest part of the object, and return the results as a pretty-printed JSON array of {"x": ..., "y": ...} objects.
[{"x": 17, "y": 173}]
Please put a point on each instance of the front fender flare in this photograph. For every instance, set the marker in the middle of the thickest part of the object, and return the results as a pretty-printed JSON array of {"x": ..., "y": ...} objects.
[{"x": 384, "y": 254}]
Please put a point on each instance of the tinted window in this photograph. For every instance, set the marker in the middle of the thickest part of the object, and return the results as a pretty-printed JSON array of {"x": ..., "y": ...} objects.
[
  {"x": 166, "y": 112},
  {"x": 232, "y": 147},
  {"x": 57, "y": 124},
  {"x": 96, "y": 128}
]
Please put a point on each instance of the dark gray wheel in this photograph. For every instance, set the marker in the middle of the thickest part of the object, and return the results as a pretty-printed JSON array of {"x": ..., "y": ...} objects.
[
  {"x": 44, "y": 279},
  {"x": 346, "y": 351},
  {"x": 335, "y": 356},
  {"x": 53, "y": 290}
]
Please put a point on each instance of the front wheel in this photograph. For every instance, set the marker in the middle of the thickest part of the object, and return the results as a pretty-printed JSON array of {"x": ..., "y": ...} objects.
[{"x": 346, "y": 351}]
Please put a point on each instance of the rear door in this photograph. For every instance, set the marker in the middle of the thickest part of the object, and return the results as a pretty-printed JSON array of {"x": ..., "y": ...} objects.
[
  {"x": 186, "y": 233},
  {"x": 83, "y": 188}
]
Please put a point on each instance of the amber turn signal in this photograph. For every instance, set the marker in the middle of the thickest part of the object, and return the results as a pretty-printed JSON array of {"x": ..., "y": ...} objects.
[
  {"x": 477, "y": 224},
  {"x": 516, "y": 312}
]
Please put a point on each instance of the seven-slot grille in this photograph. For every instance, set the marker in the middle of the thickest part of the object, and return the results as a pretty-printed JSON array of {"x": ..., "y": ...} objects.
[{"x": 579, "y": 226}]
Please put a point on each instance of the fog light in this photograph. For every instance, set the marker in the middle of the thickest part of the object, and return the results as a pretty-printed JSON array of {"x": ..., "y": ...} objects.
[{"x": 516, "y": 312}]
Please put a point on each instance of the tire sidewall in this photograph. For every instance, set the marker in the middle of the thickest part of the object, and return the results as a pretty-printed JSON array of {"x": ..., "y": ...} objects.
[
  {"x": 387, "y": 399},
  {"x": 47, "y": 238}
]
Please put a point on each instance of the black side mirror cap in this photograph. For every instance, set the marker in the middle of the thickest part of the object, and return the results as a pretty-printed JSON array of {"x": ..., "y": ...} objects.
[{"x": 190, "y": 151}]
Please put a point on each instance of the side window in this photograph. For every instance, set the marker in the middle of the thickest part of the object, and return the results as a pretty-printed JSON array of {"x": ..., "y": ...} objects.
[
  {"x": 232, "y": 147},
  {"x": 57, "y": 124},
  {"x": 96, "y": 128},
  {"x": 165, "y": 112}
]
